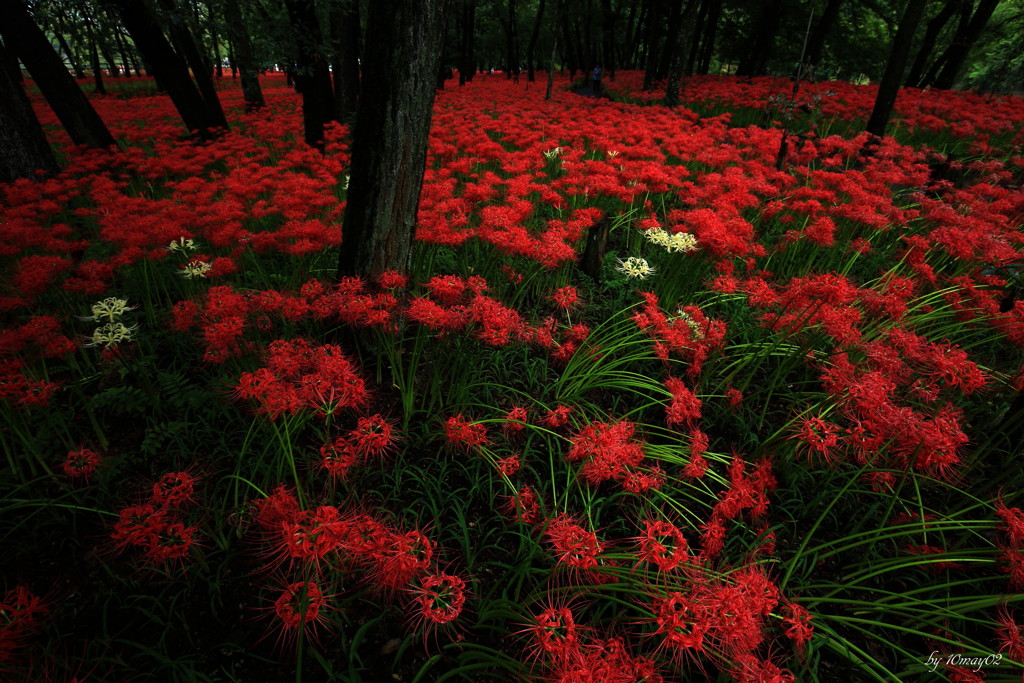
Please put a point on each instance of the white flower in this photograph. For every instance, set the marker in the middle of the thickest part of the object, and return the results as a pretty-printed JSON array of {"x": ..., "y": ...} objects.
[
  {"x": 183, "y": 245},
  {"x": 635, "y": 267},
  {"x": 657, "y": 236},
  {"x": 109, "y": 309},
  {"x": 195, "y": 268},
  {"x": 681, "y": 242},
  {"x": 552, "y": 154},
  {"x": 612, "y": 153},
  {"x": 111, "y": 334}
]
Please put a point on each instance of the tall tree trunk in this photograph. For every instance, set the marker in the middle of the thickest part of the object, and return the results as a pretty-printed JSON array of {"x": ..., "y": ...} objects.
[
  {"x": 467, "y": 65},
  {"x": 956, "y": 53},
  {"x": 72, "y": 59},
  {"x": 345, "y": 41},
  {"x": 673, "y": 37},
  {"x": 511, "y": 24},
  {"x": 69, "y": 103},
  {"x": 23, "y": 146},
  {"x": 633, "y": 24},
  {"x": 241, "y": 47},
  {"x": 608, "y": 21},
  {"x": 119, "y": 43},
  {"x": 931, "y": 36},
  {"x": 755, "y": 62},
  {"x": 816, "y": 44},
  {"x": 894, "y": 66},
  {"x": 695, "y": 34},
  {"x": 389, "y": 148},
  {"x": 655, "y": 9},
  {"x": 312, "y": 76},
  {"x": 169, "y": 68},
  {"x": 707, "y": 44},
  {"x": 94, "y": 53},
  {"x": 108, "y": 55},
  {"x": 531, "y": 46},
  {"x": 201, "y": 71}
]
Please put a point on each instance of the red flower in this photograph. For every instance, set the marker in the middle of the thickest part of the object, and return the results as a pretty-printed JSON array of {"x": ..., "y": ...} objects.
[
  {"x": 663, "y": 545},
  {"x": 80, "y": 464},
  {"x": 460, "y": 432},
  {"x": 566, "y": 298},
  {"x": 373, "y": 436},
  {"x": 574, "y": 546}
]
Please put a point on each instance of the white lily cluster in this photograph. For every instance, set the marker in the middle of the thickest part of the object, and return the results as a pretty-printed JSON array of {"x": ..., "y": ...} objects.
[
  {"x": 672, "y": 242},
  {"x": 195, "y": 268},
  {"x": 635, "y": 267},
  {"x": 113, "y": 331},
  {"x": 182, "y": 245},
  {"x": 552, "y": 154}
]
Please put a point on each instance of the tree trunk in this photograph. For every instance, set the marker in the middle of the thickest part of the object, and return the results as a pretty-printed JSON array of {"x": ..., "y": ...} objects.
[
  {"x": 695, "y": 34},
  {"x": 673, "y": 38},
  {"x": 956, "y": 54},
  {"x": 238, "y": 36},
  {"x": 119, "y": 43},
  {"x": 893, "y": 76},
  {"x": 512, "y": 41},
  {"x": 654, "y": 18},
  {"x": 707, "y": 45},
  {"x": 201, "y": 71},
  {"x": 94, "y": 53},
  {"x": 389, "y": 148},
  {"x": 608, "y": 20},
  {"x": 816, "y": 44},
  {"x": 23, "y": 37},
  {"x": 931, "y": 36},
  {"x": 467, "y": 67},
  {"x": 531, "y": 46},
  {"x": 312, "y": 76},
  {"x": 66, "y": 49},
  {"x": 169, "y": 69},
  {"x": 23, "y": 146},
  {"x": 755, "y": 63},
  {"x": 345, "y": 41}
]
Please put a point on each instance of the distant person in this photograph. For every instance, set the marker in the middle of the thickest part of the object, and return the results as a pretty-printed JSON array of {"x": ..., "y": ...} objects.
[{"x": 596, "y": 78}]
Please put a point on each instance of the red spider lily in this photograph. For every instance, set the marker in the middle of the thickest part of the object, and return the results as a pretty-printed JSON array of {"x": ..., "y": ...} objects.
[
  {"x": 404, "y": 557},
  {"x": 697, "y": 467},
  {"x": 174, "y": 489},
  {"x": 447, "y": 289},
  {"x": 438, "y": 599},
  {"x": 373, "y": 436},
  {"x": 1009, "y": 634},
  {"x": 523, "y": 506},
  {"x": 391, "y": 279},
  {"x": 172, "y": 541},
  {"x": 81, "y": 464},
  {"x": 21, "y": 613},
  {"x": 138, "y": 525},
  {"x": 509, "y": 465},
  {"x": 575, "y": 547},
  {"x": 463, "y": 433},
  {"x": 557, "y": 416},
  {"x": 663, "y": 545},
  {"x": 681, "y": 621},
  {"x": 684, "y": 409},
  {"x": 338, "y": 457},
  {"x": 300, "y": 606},
  {"x": 555, "y": 633},
  {"x": 566, "y": 298},
  {"x": 798, "y": 625},
  {"x": 515, "y": 420},
  {"x": 822, "y": 437}
]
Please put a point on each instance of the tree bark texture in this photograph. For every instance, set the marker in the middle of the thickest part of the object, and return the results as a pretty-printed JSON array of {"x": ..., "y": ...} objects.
[
  {"x": 201, "y": 71},
  {"x": 893, "y": 76},
  {"x": 169, "y": 69},
  {"x": 345, "y": 41},
  {"x": 242, "y": 56},
  {"x": 313, "y": 76},
  {"x": 956, "y": 53},
  {"x": 23, "y": 146},
  {"x": 23, "y": 37},
  {"x": 389, "y": 148}
]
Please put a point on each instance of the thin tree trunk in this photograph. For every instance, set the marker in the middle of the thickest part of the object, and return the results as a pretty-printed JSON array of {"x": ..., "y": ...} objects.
[
  {"x": 312, "y": 77},
  {"x": 956, "y": 54},
  {"x": 467, "y": 65},
  {"x": 893, "y": 76},
  {"x": 201, "y": 71},
  {"x": 531, "y": 46},
  {"x": 816, "y": 44},
  {"x": 169, "y": 68},
  {"x": 23, "y": 37},
  {"x": 931, "y": 36},
  {"x": 707, "y": 46},
  {"x": 119, "y": 43},
  {"x": 389, "y": 148},
  {"x": 238, "y": 36},
  {"x": 24, "y": 150},
  {"x": 345, "y": 39},
  {"x": 654, "y": 18},
  {"x": 66, "y": 49},
  {"x": 97, "y": 72},
  {"x": 755, "y": 63}
]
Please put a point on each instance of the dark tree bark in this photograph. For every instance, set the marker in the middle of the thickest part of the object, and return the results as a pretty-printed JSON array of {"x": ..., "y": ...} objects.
[
  {"x": 963, "y": 41},
  {"x": 633, "y": 23},
  {"x": 120, "y": 44},
  {"x": 655, "y": 16},
  {"x": 389, "y": 148},
  {"x": 707, "y": 43},
  {"x": 894, "y": 66},
  {"x": 345, "y": 42},
  {"x": 695, "y": 34},
  {"x": 762, "y": 41},
  {"x": 242, "y": 57},
  {"x": 312, "y": 75},
  {"x": 23, "y": 146},
  {"x": 466, "y": 44},
  {"x": 931, "y": 35},
  {"x": 201, "y": 71},
  {"x": 168, "y": 67},
  {"x": 816, "y": 43},
  {"x": 23, "y": 37},
  {"x": 66, "y": 49},
  {"x": 531, "y": 46},
  {"x": 511, "y": 25},
  {"x": 97, "y": 71},
  {"x": 673, "y": 38},
  {"x": 108, "y": 56},
  {"x": 609, "y": 19}
]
